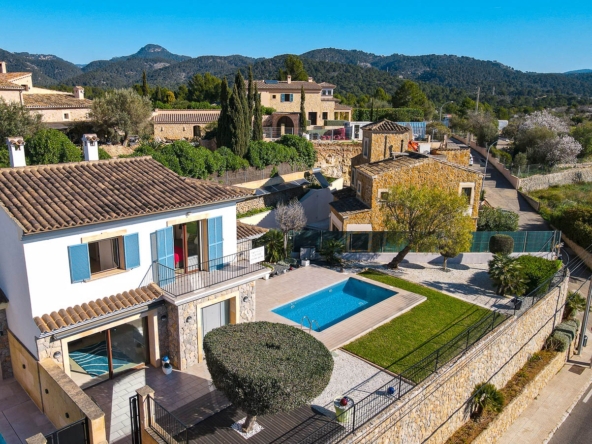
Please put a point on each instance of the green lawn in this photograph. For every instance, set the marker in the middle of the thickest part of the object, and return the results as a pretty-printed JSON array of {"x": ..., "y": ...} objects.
[{"x": 410, "y": 337}]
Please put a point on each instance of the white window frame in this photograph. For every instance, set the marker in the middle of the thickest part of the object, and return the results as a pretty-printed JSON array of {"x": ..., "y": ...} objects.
[
  {"x": 359, "y": 187},
  {"x": 470, "y": 185},
  {"x": 379, "y": 194},
  {"x": 66, "y": 116}
]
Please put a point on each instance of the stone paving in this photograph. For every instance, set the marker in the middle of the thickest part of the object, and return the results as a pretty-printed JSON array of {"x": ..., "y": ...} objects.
[{"x": 19, "y": 416}]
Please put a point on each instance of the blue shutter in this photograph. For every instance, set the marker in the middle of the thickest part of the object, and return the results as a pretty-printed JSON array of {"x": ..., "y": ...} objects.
[
  {"x": 79, "y": 262},
  {"x": 282, "y": 97},
  {"x": 131, "y": 249},
  {"x": 165, "y": 255},
  {"x": 215, "y": 242},
  {"x": 291, "y": 97}
]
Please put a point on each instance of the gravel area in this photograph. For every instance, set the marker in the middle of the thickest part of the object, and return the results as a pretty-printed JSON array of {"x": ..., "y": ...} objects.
[{"x": 352, "y": 377}]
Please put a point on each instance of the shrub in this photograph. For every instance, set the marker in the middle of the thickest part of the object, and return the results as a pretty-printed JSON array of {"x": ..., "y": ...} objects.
[
  {"x": 575, "y": 222},
  {"x": 507, "y": 276},
  {"x": 306, "y": 153},
  {"x": 395, "y": 114},
  {"x": 262, "y": 154},
  {"x": 503, "y": 156},
  {"x": 497, "y": 219},
  {"x": 568, "y": 328},
  {"x": 273, "y": 241},
  {"x": 486, "y": 396},
  {"x": 501, "y": 244},
  {"x": 558, "y": 341},
  {"x": 330, "y": 251},
  {"x": 104, "y": 155},
  {"x": 575, "y": 303},
  {"x": 265, "y": 368},
  {"x": 49, "y": 146},
  {"x": 537, "y": 271}
]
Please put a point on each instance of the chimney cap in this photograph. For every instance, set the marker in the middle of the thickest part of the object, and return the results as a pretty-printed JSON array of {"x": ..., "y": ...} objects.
[
  {"x": 310, "y": 79},
  {"x": 289, "y": 79},
  {"x": 77, "y": 88},
  {"x": 90, "y": 137},
  {"x": 17, "y": 141}
]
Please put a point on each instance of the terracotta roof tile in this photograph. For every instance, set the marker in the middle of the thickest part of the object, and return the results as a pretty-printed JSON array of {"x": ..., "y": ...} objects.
[
  {"x": 294, "y": 86},
  {"x": 386, "y": 126},
  {"x": 339, "y": 106},
  {"x": 349, "y": 205},
  {"x": 246, "y": 231},
  {"x": 193, "y": 116},
  {"x": 92, "y": 310},
  {"x": 55, "y": 101},
  {"x": 52, "y": 197},
  {"x": 327, "y": 85},
  {"x": 9, "y": 85},
  {"x": 405, "y": 160},
  {"x": 12, "y": 76}
]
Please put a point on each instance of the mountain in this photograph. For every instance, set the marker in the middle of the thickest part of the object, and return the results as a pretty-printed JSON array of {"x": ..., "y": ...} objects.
[
  {"x": 580, "y": 71},
  {"x": 151, "y": 51},
  {"x": 47, "y": 69}
]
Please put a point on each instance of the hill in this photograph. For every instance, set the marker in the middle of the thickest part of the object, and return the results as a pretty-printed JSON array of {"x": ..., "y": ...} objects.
[
  {"x": 152, "y": 51},
  {"x": 580, "y": 71},
  {"x": 47, "y": 69}
]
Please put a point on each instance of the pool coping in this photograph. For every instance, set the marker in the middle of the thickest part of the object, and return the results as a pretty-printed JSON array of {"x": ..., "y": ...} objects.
[{"x": 356, "y": 325}]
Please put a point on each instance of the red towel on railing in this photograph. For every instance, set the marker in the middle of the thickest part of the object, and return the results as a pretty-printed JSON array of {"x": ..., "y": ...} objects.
[{"x": 178, "y": 254}]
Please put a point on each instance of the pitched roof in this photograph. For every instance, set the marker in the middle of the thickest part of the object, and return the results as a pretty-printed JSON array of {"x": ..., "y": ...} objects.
[
  {"x": 12, "y": 76},
  {"x": 52, "y": 197},
  {"x": 189, "y": 116},
  {"x": 4, "y": 84},
  {"x": 339, "y": 106},
  {"x": 405, "y": 160},
  {"x": 246, "y": 231},
  {"x": 55, "y": 101},
  {"x": 386, "y": 126},
  {"x": 283, "y": 85},
  {"x": 327, "y": 85},
  {"x": 92, "y": 310},
  {"x": 349, "y": 206}
]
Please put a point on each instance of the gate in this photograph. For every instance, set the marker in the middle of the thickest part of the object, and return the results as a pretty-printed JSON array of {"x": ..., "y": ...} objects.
[
  {"x": 75, "y": 433},
  {"x": 135, "y": 420}
]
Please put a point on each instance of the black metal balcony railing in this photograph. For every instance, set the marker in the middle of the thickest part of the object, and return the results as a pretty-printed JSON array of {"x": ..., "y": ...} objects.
[{"x": 205, "y": 274}]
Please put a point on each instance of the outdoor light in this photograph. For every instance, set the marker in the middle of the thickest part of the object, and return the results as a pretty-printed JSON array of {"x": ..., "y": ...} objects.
[
  {"x": 57, "y": 355},
  {"x": 163, "y": 318},
  {"x": 189, "y": 319},
  {"x": 246, "y": 299}
]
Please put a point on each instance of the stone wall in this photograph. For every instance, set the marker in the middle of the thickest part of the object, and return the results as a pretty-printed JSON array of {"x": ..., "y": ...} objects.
[
  {"x": 335, "y": 159},
  {"x": 383, "y": 145},
  {"x": 436, "y": 408},
  {"x": 5, "y": 363},
  {"x": 513, "y": 410},
  {"x": 567, "y": 177},
  {"x": 176, "y": 131},
  {"x": 456, "y": 156},
  {"x": 269, "y": 200}
]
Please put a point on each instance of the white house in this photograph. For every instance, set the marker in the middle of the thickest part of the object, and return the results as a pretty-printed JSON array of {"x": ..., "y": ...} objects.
[{"x": 111, "y": 264}]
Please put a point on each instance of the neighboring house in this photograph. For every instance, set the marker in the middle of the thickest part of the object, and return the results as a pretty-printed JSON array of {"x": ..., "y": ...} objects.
[
  {"x": 284, "y": 97},
  {"x": 176, "y": 124},
  {"x": 112, "y": 264},
  {"x": 385, "y": 162},
  {"x": 57, "y": 108}
]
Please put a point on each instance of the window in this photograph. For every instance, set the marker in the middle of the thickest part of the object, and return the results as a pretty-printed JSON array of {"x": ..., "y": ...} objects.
[
  {"x": 467, "y": 192},
  {"x": 383, "y": 194},
  {"x": 66, "y": 116},
  {"x": 365, "y": 151},
  {"x": 287, "y": 97},
  {"x": 359, "y": 188},
  {"x": 273, "y": 96},
  {"x": 97, "y": 257},
  {"x": 327, "y": 92},
  {"x": 325, "y": 116},
  {"x": 402, "y": 146}
]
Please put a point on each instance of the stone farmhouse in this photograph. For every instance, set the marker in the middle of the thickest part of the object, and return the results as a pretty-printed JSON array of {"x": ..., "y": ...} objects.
[
  {"x": 57, "y": 108},
  {"x": 387, "y": 160},
  {"x": 284, "y": 97},
  {"x": 176, "y": 124}
]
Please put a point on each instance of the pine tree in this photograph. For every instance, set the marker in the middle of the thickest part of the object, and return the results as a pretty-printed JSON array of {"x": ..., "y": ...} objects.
[
  {"x": 145, "y": 89},
  {"x": 302, "y": 119},
  {"x": 223, "y": 134},
  {"x": 250, "y": 98},
  {"x": 240, "y": 127},
  {"x": 257, "y": 117}
]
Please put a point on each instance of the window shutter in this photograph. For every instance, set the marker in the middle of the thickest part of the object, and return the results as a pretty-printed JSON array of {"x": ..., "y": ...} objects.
[
  {"x": 164, "y": 247},
  {"x": 282, "y": 97},
  {"x": 131, "y": 248},
  {"x": 215, "y": 240},
  {"x": 79, "y": 262},
  {"x": 291, "y": 97}
]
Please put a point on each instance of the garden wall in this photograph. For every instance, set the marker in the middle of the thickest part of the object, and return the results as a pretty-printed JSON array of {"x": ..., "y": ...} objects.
[
  {"x": 567, "y": 177},
  {"x": 334, "y": 158},
  {"x": 435, "y": 409},
  {"x": 515, "y": 408}
]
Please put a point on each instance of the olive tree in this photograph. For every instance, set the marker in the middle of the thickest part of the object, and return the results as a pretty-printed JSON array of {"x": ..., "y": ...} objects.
[
  {"x": 265, "y": 368},
  {"x": 426, "y": 216}
]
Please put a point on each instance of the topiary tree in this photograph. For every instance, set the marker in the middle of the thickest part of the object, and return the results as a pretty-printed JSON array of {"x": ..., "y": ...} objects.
[
  {"x": 507, "y": 276},
  {"x": 486, "y": 396},
  {"x": 265, "y": 368},
  {"x": 501, "y": 244}
]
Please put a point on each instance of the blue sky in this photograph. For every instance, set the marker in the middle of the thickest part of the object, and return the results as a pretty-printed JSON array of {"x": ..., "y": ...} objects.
[{"x": 540, "y": 36}]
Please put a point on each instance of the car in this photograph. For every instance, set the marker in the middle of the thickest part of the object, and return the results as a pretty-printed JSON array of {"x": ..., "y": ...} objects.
[{"x": 470, "y": 160}]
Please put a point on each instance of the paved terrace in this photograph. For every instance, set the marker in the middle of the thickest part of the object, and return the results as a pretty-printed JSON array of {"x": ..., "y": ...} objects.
[{"x": 293, "y": 285}]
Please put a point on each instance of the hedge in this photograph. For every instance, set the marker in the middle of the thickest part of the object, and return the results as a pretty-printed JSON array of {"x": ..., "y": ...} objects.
[
  {"x": 559, "y": 341},
  {"x": 501, "y": 243},
  {"x": 395, "y": 114},
  {"x": 575, "y": 222},
  {"x": 264, "y": 368},
  {"x": 497, "y": 219},
  {"x": 537, "y": 271},
  {"x": 570, "y": 329}
]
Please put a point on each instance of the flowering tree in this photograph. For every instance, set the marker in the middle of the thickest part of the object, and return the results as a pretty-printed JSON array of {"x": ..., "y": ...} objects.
[
  {"x": 560, "y": 149},
  {"x": 546, "y": 120},
  {"x": 290, "y": 217}
]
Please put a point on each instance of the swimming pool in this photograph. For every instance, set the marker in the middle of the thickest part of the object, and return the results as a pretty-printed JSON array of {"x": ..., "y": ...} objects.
[{"x": 333, "y": 304}]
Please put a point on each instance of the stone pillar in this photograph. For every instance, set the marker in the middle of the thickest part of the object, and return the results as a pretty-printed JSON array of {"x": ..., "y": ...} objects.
[
  {"x": 182, "y": 322},
  {"x": 5, "y": 361},
  {"x": 247, "y": 302},
  {"x": 144, "y": 395},
  {"x": 37, "y": 439},
  {"x": 282, "y": 129}
]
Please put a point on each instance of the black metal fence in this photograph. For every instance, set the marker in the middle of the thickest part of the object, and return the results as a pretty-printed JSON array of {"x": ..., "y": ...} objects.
[
  {"x": 376, "y": 402},
  {"x": 252, "y": 174},
  {"x": 75, "y": 433},
  {"x": 166, "y": 425}
]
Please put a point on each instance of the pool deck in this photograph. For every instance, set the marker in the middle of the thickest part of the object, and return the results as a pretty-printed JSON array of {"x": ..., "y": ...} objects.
[{"x": 295, "y": 284}]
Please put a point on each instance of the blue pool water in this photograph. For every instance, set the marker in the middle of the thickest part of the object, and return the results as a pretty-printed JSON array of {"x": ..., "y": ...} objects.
[{"x": 335, "y": 303}]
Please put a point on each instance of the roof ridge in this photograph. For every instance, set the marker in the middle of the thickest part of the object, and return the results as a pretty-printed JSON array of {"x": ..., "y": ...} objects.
[{"x": 72, "y": 164}]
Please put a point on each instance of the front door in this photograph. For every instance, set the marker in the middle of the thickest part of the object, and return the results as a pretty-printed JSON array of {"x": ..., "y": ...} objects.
[
  {"x": 313, "y": 118},
  {"x": 214, "y": 316}
]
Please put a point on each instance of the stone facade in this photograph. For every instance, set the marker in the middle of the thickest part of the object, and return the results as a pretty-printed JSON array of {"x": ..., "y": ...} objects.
[
  {"x": 458, "y": 156},
  {"x": 436, "y": 408},
  {"x": 567, "y": 177},
  {"x": 269, "y": 200},
  {"x": 50, "y": 348},
  {"x": 381, "y": 145},
  {"x": 335, "y": 159},
  {"x": 52, "y": 115},
  {"x": 515, "y": 408},
  {"x": 184, "y": 322},
  {"x": 5, "y": 362},
  {"x": 177, "y": 131}
]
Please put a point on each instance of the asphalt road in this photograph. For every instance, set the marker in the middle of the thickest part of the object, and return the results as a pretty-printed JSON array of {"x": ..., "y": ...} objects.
[{"x": 577, "y": 428}]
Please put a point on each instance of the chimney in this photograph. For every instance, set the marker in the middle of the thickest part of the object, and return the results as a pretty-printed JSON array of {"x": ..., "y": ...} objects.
[
  {"x": 3, "y": 68},
  {"x": 90, "y": 143},
  {"x": 310, "y": 80},
  {"x": 16, "y": 151},
  {"x": 78, "y": 92},
  {"x": 289, "y": 79}
]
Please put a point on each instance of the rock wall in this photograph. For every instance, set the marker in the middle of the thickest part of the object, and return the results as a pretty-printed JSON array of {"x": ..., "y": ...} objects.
[
  {"x": 5, "y": 363},
  {"x": 567, "y": 177},
  {"x": 513, "y": 410},
  {"x": 269, "y": 200},
  {"x": 435, "y": 409},
  {"x": 334, "y": 158}
]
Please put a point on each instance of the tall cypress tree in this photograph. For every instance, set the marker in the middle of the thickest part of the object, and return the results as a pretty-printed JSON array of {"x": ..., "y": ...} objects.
[
  {"x": 250, "y": 98},
  {"x": 302, "y": 119},
  {"x": 240, "y": 126},
  {"x": 145, "y": 89},
  {"x": 223, "y": 134},
  {"x": 257, "y": 117}
]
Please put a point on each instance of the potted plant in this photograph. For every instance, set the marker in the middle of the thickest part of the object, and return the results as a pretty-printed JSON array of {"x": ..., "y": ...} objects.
[{"x": 167, "y": 368}]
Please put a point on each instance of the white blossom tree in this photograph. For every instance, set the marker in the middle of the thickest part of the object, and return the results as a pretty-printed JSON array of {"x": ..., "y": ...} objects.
[
  {"x": 290, "y": 217},
  {"x": 561, "y": 149},
  {"x": 544, "y": 119}
]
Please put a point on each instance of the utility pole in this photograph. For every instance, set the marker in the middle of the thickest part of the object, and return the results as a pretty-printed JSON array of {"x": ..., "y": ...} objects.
[
  {"x": 477, "y": 104},
  {"x": 585, "y": 320}
]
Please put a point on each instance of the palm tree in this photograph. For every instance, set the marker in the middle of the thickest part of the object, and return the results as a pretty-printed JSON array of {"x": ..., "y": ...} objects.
[{"x": 574, "y": 304}]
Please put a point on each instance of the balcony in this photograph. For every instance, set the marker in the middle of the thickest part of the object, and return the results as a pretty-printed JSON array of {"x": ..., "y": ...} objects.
[{"x": 203, "y": 276}]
